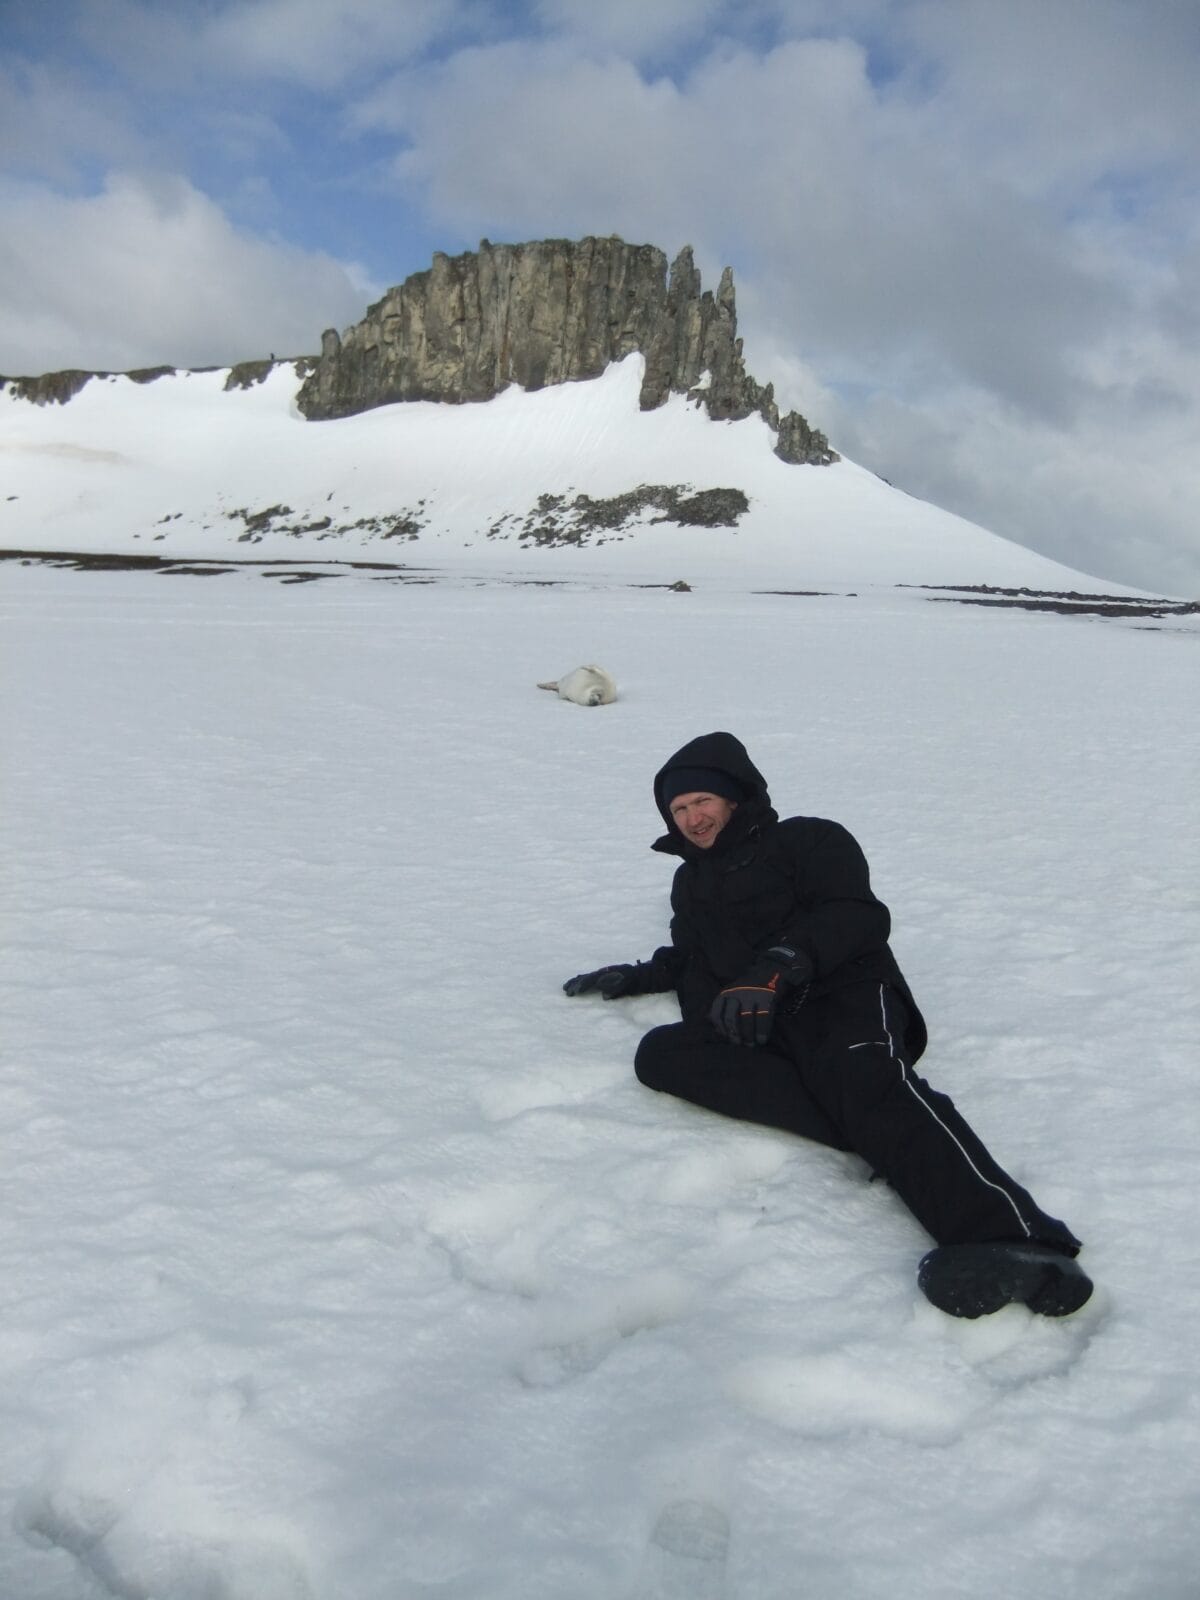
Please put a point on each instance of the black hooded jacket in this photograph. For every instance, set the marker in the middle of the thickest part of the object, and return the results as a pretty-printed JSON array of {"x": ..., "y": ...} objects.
[{"x": 803, "y": 882}]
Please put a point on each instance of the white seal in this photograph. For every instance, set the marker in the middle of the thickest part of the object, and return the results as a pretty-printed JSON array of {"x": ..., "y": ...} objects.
[{"x": 586, "y": 686}]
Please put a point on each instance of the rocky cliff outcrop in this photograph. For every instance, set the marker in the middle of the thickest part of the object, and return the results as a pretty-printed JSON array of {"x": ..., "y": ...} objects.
[
  {"x": 58, "y": 388},
  {"x": 553, "y": 311},
  {"x": 51, "y": 388}
]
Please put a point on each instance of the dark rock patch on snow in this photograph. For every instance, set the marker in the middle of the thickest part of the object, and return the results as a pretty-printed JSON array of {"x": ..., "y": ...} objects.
[
  {"x": 404, "y": 524},
  {"x": 52, "y": 388},
  {"x": 199, "y": 567},
  {"x": 246, "y": 374},
  {"x": 557, "y": 520},
  {"x": 1067, "y": 603},
  {"x": 150, "y": 374}
]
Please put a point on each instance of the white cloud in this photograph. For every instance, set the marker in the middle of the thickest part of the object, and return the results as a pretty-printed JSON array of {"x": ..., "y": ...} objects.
[
  {"x": 1063, "y": 93},
  {"x": 151, "y": 272},
  {"x": 995, "y": 344},
  {"x": 634, "y": 27},
  {"x": 1113, "y": 496},
  {"x": 315, "y": 43},
  {"x": 538, "y": 133},
  {"x": 886, "y": 251},
  {"x": 318, "y": 43},
  {"x": 50, "y": 118}
]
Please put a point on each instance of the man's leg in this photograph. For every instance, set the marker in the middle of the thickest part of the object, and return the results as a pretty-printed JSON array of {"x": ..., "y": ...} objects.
[
  {"x": 752, "y": 1085},
  {"x": 910, "y": 1134}
]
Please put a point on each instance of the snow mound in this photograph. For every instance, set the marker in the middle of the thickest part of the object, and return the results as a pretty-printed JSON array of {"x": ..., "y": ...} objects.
[{"x": 567, "y": 481}]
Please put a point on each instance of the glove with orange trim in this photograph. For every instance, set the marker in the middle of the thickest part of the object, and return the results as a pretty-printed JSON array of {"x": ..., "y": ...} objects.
[{"x": 744, "y": 1013}]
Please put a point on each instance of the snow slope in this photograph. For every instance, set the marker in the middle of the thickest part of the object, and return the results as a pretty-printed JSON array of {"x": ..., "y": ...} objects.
[
  {"x": 345, "y": 1259},
  {"x": 176, "y": 466}
]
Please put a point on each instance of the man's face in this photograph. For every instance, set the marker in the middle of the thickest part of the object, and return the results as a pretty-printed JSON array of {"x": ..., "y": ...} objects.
[{"x": 700, "y": 817}]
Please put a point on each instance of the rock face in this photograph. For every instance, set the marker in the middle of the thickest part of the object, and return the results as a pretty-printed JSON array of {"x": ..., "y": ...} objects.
[
  {"x": 59, "y": 388},
  {"x": 52, "y": 388},
  {"x": 554, "y": 311}
]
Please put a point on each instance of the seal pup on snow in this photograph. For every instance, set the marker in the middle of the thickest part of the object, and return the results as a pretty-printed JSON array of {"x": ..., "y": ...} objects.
[{"x": 586, "y": 686}]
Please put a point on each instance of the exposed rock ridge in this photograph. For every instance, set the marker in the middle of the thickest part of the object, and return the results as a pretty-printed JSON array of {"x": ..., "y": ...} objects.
[
  {"x": 59, "y": 388},
  {"x": 51, "y": 388},
  {"x": 552, "y": 311}
]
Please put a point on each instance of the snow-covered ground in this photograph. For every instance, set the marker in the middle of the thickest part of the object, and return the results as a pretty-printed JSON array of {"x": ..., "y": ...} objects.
[
  {"x": 343, "y": 1258},
  {"x": 180, "y": 467}
]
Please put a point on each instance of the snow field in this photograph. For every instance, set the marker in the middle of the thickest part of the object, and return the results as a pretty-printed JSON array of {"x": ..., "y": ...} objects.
[
  {"x": 165, "y": 468},
  {"x": 345, "y": 1257}
]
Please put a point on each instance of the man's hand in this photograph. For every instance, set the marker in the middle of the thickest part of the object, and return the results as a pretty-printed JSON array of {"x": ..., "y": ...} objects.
[
  {"x": 744, "y": 1012},
  {"x": 612, "y": 982}
]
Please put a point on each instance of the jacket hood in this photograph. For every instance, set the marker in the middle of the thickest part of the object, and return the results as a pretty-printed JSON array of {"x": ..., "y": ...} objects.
[{"x": 728, "y": 755}]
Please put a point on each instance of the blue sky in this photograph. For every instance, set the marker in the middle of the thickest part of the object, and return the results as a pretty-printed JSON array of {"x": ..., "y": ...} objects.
[{"x": 966, "y": 236}]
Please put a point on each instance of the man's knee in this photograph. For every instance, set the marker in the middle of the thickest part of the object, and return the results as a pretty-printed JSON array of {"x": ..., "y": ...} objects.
[{"x": 653, "y": 1054}]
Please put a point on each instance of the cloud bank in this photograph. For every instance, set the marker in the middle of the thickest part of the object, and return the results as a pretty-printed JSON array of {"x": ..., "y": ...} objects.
[{"x": 151, "y": 272}]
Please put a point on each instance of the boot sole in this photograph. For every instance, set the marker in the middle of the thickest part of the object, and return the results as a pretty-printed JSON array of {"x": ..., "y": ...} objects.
[{"x": 973, "y": 1280}]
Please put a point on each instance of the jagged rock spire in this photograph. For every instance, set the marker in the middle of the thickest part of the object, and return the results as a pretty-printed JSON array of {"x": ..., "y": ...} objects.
[{"x": 552, "y": 311}]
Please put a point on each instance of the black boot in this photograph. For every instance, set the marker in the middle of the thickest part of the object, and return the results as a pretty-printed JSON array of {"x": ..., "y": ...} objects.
[{"x": 971, "y": 1280}]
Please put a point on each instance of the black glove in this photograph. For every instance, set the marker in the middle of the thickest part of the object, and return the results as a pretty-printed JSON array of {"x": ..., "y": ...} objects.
[
  {"x": 744, "y": 1012},
  {"x": 612, "y": 982}
]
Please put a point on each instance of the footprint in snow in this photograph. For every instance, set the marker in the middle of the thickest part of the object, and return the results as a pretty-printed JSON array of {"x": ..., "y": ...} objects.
[
  {"x": 125, "y": 1499},
  {"x": 587, "y": 1335},
  {"x": 132, "y": 1556},
  {"x": 687, "y": 1554},
  {"x": 908, "y": 1389},
  {"x": 828, "y": 1393},
  {"x": 555, "y": 1364}
]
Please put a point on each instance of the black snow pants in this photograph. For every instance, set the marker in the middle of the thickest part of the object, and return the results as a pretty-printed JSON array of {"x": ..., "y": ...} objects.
[{"x": 836, "y": 1072}]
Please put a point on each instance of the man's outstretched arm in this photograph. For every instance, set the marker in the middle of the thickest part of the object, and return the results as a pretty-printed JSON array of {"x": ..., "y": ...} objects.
[{"x": 655, "y": 976}]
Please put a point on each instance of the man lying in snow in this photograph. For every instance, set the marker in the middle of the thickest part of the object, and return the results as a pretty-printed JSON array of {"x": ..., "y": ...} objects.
[{"x": 795, "y": 1014}]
